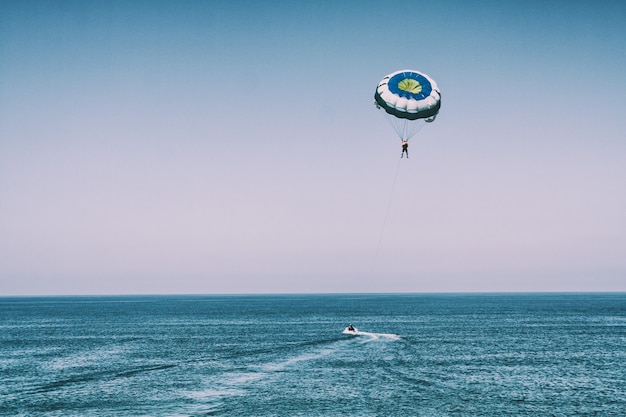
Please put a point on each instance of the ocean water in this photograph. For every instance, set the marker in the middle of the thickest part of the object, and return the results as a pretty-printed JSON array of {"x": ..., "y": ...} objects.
[{"x": 285, "y": 355}]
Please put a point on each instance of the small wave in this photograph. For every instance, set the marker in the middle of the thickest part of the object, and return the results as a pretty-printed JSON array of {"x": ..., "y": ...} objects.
[
  {"x": 94, "y": 376},
  {"x": 78, "y": 379},
  {"x": 143, "y": 369}
]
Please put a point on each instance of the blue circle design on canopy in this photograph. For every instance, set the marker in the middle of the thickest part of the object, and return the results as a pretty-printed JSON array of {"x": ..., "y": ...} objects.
[{"x": 398, "y": 85}]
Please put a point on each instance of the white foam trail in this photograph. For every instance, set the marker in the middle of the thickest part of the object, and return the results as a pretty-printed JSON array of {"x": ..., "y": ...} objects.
[
  {"x": 233, "y": 383},
  {"x": 214, "y": 393},
  {"x": 84, "y": 358},
  {"x": 278, "y": 366},
  {"x": 375, "y": 336}
]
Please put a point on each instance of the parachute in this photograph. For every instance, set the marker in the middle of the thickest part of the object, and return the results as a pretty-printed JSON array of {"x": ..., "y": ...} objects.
[{"x": 410, "y": 99}]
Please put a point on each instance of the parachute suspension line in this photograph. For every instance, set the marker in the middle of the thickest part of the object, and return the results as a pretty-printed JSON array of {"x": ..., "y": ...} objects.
[
  {"x": 404, "y": 128},
  {"x": 392, "y": 122},
  {"x": 413, "y": 127},
  {"x": 382, "y": 230}
]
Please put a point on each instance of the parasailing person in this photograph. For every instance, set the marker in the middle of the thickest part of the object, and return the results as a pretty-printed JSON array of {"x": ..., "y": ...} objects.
[{"x": 409, "y": 98}]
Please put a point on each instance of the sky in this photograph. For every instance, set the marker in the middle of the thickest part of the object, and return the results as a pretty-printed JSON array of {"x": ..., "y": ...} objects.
[{"x": 210, "y": 147}]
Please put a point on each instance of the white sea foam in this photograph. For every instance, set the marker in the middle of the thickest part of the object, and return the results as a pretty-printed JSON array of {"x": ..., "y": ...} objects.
[
  {"x": 84, "y": 358},
  {"x": 279, "y": 366},
  {"x": 236, "y": 383},
  {"x": 375, "y": 336},
  {"x": 214, "y": 393}
]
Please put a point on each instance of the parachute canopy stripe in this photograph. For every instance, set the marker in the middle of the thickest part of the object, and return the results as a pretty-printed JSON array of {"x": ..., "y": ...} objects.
[{"x": 408, "y": 94}]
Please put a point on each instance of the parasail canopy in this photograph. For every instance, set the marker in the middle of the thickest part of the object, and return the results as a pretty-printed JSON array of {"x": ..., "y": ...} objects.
[
  {"x": 409, "y": 98},
  {"x": 408, "y": 94}
]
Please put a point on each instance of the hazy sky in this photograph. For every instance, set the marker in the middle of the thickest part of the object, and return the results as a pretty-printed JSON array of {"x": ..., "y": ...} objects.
[{"x": 233, "y": 147}]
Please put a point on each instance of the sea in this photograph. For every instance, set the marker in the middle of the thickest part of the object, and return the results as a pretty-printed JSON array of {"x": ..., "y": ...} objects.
[{"x": 285, "y": 355}]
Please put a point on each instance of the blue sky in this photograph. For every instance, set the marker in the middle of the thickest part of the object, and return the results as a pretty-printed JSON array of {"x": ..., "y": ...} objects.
[{"x": 233, "y": 147}]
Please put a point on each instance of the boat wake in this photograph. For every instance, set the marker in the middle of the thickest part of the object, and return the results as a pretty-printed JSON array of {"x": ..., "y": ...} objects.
[
  {"x": 353, "y": 331},
  {"x": 375, "y": 336}
]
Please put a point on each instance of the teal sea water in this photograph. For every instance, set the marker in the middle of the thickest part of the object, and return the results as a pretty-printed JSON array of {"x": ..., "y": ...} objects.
[{"x": 418, "y": 355}]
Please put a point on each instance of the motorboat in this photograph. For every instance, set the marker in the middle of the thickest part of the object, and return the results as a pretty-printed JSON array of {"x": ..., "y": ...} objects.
[{"x": 351, "y": 330}]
